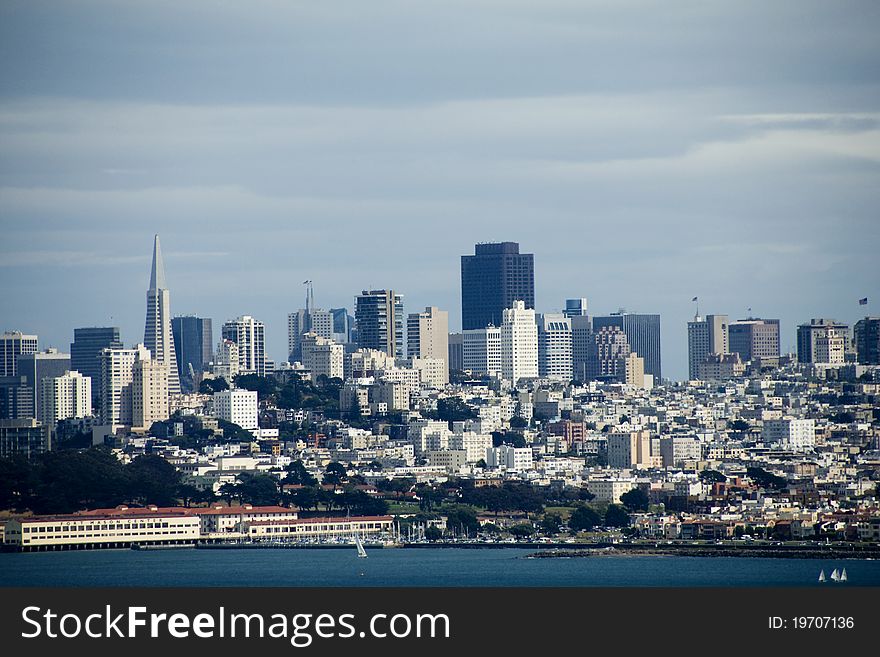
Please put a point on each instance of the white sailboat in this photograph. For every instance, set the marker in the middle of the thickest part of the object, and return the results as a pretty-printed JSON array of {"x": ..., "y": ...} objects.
[
  {"x": 822, "y": 576},
  {"x": 362, "y": 553},
  {"x": 835, "y": 575},
  {"x": 843, "y": 575}
]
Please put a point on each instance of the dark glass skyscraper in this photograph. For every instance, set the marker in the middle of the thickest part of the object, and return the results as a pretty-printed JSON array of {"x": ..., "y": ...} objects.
[
  {"x": 491, "y": 280},
  {"x": 85, "y": 354},
  {"x": 380, "y": 320},
  {"x": 193, "y": 341},
  {"x": 642, "y": 333}
]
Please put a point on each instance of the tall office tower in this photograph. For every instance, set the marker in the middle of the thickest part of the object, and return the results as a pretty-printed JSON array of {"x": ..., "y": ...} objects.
[
  {"x": 36, "y": 367},
  {"x": 149, "y": 393},
  {"x": 427, "y": 336},
  {"x": 315, "y": 320},
  {"x": 867, "y": 338},
  {"x": 643, "y": 334},
  {"x": 822, "y": 341},
  {"x": 66, "y": 396},
  {"x": 492, "y": 279},
  {"x": 455, "y": 360},
  {"x": 16, "y": 399},
  {"x": 519, "y": 343},
  {"x": 634, "y": 370},
  {"x": 481, "y": 350},
  {"x": 158, "y": 337},
  {"x": 609, "y": 359},
  {"x": 343, "y": 324},
  {"x": 117, "y": 373},
  {"x": 379, "y": 318},
  {"x": 323, "y": 356},
  {"x": 85, "y": 354},
  {"x": 12, "y": 345},
  {"x": 754, "y": 338},
  {"x": 193, "y": 340},
  {"x": 575, "y": 307},
  {"x": 554, "y": 347},
  {"x": 583, "y": 346},
  {"x": 705, "y": 336},
  {"x": 249, "y": 335},
  {"x": 226, "y": 362}
]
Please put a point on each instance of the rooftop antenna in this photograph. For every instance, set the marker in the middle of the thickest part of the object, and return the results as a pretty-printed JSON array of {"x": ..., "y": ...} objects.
[{"x": 310, "y": 296}]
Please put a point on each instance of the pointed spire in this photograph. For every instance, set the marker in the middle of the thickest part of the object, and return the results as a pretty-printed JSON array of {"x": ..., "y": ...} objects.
[{"x": 157, "y": 276}]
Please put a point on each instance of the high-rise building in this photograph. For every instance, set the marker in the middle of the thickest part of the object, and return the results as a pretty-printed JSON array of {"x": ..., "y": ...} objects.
[
  {"x": 149, "y": 393},
  {"x": 822, "y": 341},
  {"x": 226, "y": 362},
  {"x": 481, "y": 350},
  {"x": 158, "y": 337},
  {"x": 519, "y": 343},
  {"x": 315, "y": 320},
  {"x": 12, "y": 345},
  {"x": 456, "y": 355},
  {"x": 343, "y": 325},
  {"x": 634, "y": 370},
  {"x": 379, "y": 317},
  {"x": 492, "y": 279},
  {"x": 26, "y": 437},
  {"x": 66, "y": 396},
  {"x": 38, "y": 366},
  {"x": 16, "y": 398},
  {"x": 608, "y": 362},
  {"x": 238, "y": 406},
  {"x": 428, "y": 336},
  {"x": 85, "y": 354},
  {"x": 117, "y": 374},
  {"x": 249, "y": 335},
  {"x": 583, "y": 346},
  {"x": 575, "y": 307},
  {"x": 643, "y": 334},
  {"x": 706, "y": 336},
  {"x": 866, "y": 335},
  {"x": 630, "y": 449},
  {"x": 322, "y": 356},
  {"x": 554, "y": 347},
  {"x": 193, "y": 341},
  {"x": 754, "y": 338}
]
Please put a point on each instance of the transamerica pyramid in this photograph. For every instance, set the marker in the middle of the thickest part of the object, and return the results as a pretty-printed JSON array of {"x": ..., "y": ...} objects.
[{"x": 158, "y": 337}]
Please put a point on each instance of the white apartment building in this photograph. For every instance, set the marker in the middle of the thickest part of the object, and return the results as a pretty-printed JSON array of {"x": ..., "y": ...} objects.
[
  {"x": 481, "y": 350},
  {"x": 512, "y": 459},
  {"x": 434, "y": 371},
  {"x": 66, "y": 396},
  {"x": 554, "y": 347},
  {"x": 226, "y": 362},
  {"x": 249, "y": 334},
  {"x": 790, "y": 434},
  {"x": 321, "y": 355},
  {"x": 237, "y": 406},
  {"x": 117, "y": 373},
  {"x": 609, "y": 489},
  {"x": 519, "y": 343},
  {"x": 428, "y": 337},
  {"x": 473, "y": 444},
  {"x": 631, "y": 449}
]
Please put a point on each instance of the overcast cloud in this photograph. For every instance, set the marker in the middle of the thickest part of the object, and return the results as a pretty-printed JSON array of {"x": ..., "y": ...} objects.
[{"x": 646, "y": 152}]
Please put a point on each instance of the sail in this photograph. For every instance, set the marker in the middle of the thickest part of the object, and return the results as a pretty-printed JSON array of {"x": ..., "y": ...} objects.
[
  {"x": 822, "y": 576},
  {"x": 843, "y": 575},
  {"x": 835, "y": 575},
  {"x": 360, "y": 547}
]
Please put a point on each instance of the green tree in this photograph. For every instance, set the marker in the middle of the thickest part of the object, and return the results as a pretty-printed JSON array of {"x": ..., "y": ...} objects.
[
  {"x": 738, "y": 425},
  {"x": 152, "y": 480},
  {"x": 433, "y": 534},
  {"x": 298, "y": 475},
  {"x": 712, "y": 477},
  {"x": 257, "y": 489},
  {"x": 265, "y": 387},
  {"x": 306, "y": 498},
  {"x": 462, "y": 519},
  {"x": 616, "y": 516},
  {"x": 550, "y": 523},
  {"x": 583, "y": 518},
  {"x": 522, "y": 531},
  {"x": 335, "y": 474},
  {"x": 210, "y": 386},
  {"x": 517, "y": 422},
  {"x": 765, "y": 479},
  {"x": 453, "y": 409},
  {"x": 635, "y": 500}
]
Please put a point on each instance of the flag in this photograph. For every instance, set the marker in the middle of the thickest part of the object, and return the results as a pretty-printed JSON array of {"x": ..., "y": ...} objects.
[
  {"x": 863, "y": 302},
  {"x": 694, "y": 299}
]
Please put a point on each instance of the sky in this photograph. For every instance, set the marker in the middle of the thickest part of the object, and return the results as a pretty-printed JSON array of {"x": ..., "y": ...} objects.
[{"x": 645, "y": 152}]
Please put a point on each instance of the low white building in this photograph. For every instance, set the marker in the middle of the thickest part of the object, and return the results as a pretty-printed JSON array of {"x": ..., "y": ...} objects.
[
  {"x": 790, "y": 434},
  {"x": 513, "y": 459}
]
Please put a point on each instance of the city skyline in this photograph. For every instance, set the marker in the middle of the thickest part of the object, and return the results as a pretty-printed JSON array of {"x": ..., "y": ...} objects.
[{"x": 641, "y": 168}]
